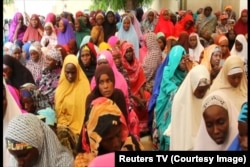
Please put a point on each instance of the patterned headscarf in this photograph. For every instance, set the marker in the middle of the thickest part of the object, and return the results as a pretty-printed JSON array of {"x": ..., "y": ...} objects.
[
  {"x": 55, "y": 54},
  {"x": 28, "y": 129}
]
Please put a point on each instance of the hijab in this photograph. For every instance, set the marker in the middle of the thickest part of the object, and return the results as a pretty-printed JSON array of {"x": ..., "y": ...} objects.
[{"x": 68, "y": 34}]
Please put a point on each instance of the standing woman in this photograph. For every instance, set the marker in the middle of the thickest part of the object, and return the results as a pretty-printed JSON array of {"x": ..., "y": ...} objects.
[
  {"x": 109, "y": 25},
  {"x": 87, "y": 60},
  {"x": 97, "y": 32},
  {"x": 195, "y": 47},
  {"x": 17, "y": 28},
  {"x": 70, "y": 97},
  {"x": 34, "y": 32},
  {"x": 47, "y": 82},
  {"x": 241, "y": 26},
  {"x": 149, "y": 21},
  {"x": 65, "y": 33},
  {"x": 173, "y": 75}
]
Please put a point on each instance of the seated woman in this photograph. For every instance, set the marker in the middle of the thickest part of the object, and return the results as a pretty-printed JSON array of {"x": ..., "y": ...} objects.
[
  {"x": 106, "y": 131},
  {"x": 218, "y": 126},
  {"x": 38, "y": 147}
]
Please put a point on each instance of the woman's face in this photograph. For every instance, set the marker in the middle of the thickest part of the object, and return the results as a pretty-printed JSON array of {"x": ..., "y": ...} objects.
[
  {"x": 215, "y": 59},
  {"x": 188, "y": 25},
  {"x": 70, "y": 72},
  {"x": 20, "y": 19},
  {"x": 126, "y": 24},
  {"x": 217, "y": 123},
  {"x": 111, "y": 18},
  {"x": 106, "y": 86},
  {"x": 50, "y": 63},
  {"x": 77, "y": 25},
  {"x": 129, "y": 55},
  {"x": 160, "y": 42},
  {"x": 99, "y": 20},
  {"x": 61, "y": 26},
  {"x": 243, "y": 135},
  {"x": 238, "y": 46},
  {"x": 85, "y": 57},
  {"x": 182, "y": 64},
  {"x": 224, "y": 46},
  {"x": 34, "y": 22},
  {"x": 27, "y": 157},
  {"x": 193, "y": 42},
  {"x": 200, "y": 91},
  {"x": 235, "y": 79},
  {"x": 151, "y": 16},
  {"x": 7, "y": 70},
  {"x": 244, "y": 17},
  {"x": 166, "y": 15},
  {"x": 231, "y": 35},
  {"x": 48, "y": 30},
  {"x": 28, "y": 104},
  {"x": 17, "y": 53},
  {"x": 117, "y": 59},
  {"x": 111, "y": 141},
  {"x": 34, "y": 56}
]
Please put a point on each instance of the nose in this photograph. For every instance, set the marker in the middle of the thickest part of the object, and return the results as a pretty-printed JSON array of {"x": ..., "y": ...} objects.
[{"x": 216, "y": 130}]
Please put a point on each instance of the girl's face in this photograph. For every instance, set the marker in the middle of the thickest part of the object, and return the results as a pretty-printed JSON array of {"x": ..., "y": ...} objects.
[
  {"x": 166, "y": 15},
  {"x": 235, "y": 79},
  {"x": 7, "y": 70},
  {"x": 17, "y": 53},
  {"x": 34, "y": 22},
  {"x": 244, "y": 17},
  {"x": 161, "y": 44},
  {"x": 117, "y": 59},
  {"x": 34, "y": 56},
  {"x": 85, "y": 57},
  {"x": 200, "y": 91},
  {"x": 215, "y": 59},
  {"x": 217, "y": 123},
  {"x": 61, "y": 26},
  {"x": 70, "y": 72},
  {"x": 193, "y": 42},
  {"x": 126, "y": 24},
  {"x": 188, "y": 25},
  {"x": 129, "y": 55},
  {"x": 28, "y": 104},
  {"x": 48, "y": 30},
  {"x": 106, "y": 86},
  {"x": 238, "y": 46},
  {"x": 50, "y": 63},
  {"x": 151, "y": 16},
  {"x": 99, "y": 20}
]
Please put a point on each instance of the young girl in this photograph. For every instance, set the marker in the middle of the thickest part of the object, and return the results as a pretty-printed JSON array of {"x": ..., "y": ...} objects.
[{"x": 49, "y": 38}]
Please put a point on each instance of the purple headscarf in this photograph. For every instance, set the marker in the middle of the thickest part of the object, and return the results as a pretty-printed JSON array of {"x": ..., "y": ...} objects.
[
  {"x": 13, "y": 27},
  {"x": 64, "y": 37}
]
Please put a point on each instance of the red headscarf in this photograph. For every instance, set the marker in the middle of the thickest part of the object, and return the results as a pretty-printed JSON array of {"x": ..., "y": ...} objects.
[
  {"x": 180, "y": 26},
  {"x": 240, "y": 27}
]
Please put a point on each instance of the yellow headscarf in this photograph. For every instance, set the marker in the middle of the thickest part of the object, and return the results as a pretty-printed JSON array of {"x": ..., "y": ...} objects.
[
  {"x": 104, "y": 46},
  {"x": 70, "y": 97}
]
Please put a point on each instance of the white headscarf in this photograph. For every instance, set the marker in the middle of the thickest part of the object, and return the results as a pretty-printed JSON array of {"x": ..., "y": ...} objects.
[
  {"x": 243, "y": 54},
  {"x": 186, "y": 110},
  {"x": 196, "y": 52},
  {"x": 28, "y": 128},
  {"x": 203, "y": 140},
  {"x": 221, "y": 81}
]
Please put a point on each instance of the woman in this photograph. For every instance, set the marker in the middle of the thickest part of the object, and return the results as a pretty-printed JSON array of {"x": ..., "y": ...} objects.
[
  {"x": 34, "y": 31},
  {"x": 127, "y": 33},
  {"x": 49, "y": 38},
  {"x": 81, "y": 30},
  {"x": 36, "y": 62},
  {"x": 149, "y": 22},
  {"x": 87, "y": 60},
  {"x": 16, "y": 52},
  {"x": 109, "y": 25},
  {"x": 164, "y": 24},
  {"x": 16, "y": 73},
  {"x": 241, "y": 26},
  {"x": 185, "y": 24},
  {"x": 106, "y": 132},
  {"x": 65, "y": 33},
  {"x": 222, "y": 41},
  {"x": 152, "y": 60},
  {"x": 186, "y": 115},
  {"x": 40, "y": 145},
  {"x": 17, "y": 28},
  {"x": 70, "y": 97},
  {"x": 211, "y": 58},
  {"x": 47, "y": 82},
  {"x": 195, "y": 47},
  {"x": 97, "y": 32},
  {"x": 217, "y": 113},
  {"x": 137, "y": 80},
  {"x": 232, "y": 81},
  {"x": 173, "y": 75}
]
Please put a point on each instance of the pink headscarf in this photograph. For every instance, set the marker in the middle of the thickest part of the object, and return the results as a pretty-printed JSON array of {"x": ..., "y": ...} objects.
[
  {"x": 112, "y": 41},
  {"x": 120, "y": 82}
]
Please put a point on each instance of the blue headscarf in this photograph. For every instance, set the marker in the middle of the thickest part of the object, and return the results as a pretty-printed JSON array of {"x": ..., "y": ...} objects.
[
  {"x": 26, "y": 48},
  {"x": 243, "y": 113}
]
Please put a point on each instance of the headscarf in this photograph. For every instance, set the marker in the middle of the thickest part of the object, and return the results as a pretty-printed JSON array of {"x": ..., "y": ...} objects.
[
  {"x": 26, "y": 48},
  {"x": 153, "y": 56},
  {"x": 70, "y": 97},
  {"x": 221, "y": 81},
  {"x": 112, "y": 41},
  {"x": 240, "y": 27},
  {"x": 135, "y": 71},
  {"x": 136, "y": 24},
  {"x": 243, "y": 53},
  {"x": 180, "y": 25},
  {"x": 171, "y": 80},
  {"x": 79, "y": 14},
  {"x": 146, "y": 26},
  {"x": 218, "y": 41},
  {"x": 165, "y": 26},
  {"x": 49, "y": 114},
  {"x": 12, "y": 111},
  {"x": 186, "y": 112},
  {"x": 13, "y": 27},
  {"x": 64, "y": 37},
  {"x": 28, "y": 129},
  {"x": 51, "y": 17},
  {"x": 109, "y": 28},
  {"x": 243, "y": 116},
  {"x": 52, "y": 38},
  {"x": 120, "y": 82},
  {"x": 196, "y": 52},
  {"x": 31, "y": 33},
  {"x": 183, "y": 41},
  {"x": 203, "y": 141},
  {"x": 129, "y": 36},
  {"x": 8, "y": 45},
  {"x": 20, "y": 74},
  {"x": 89, "y": 71},
  {"x": 83, "y": 31}
]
